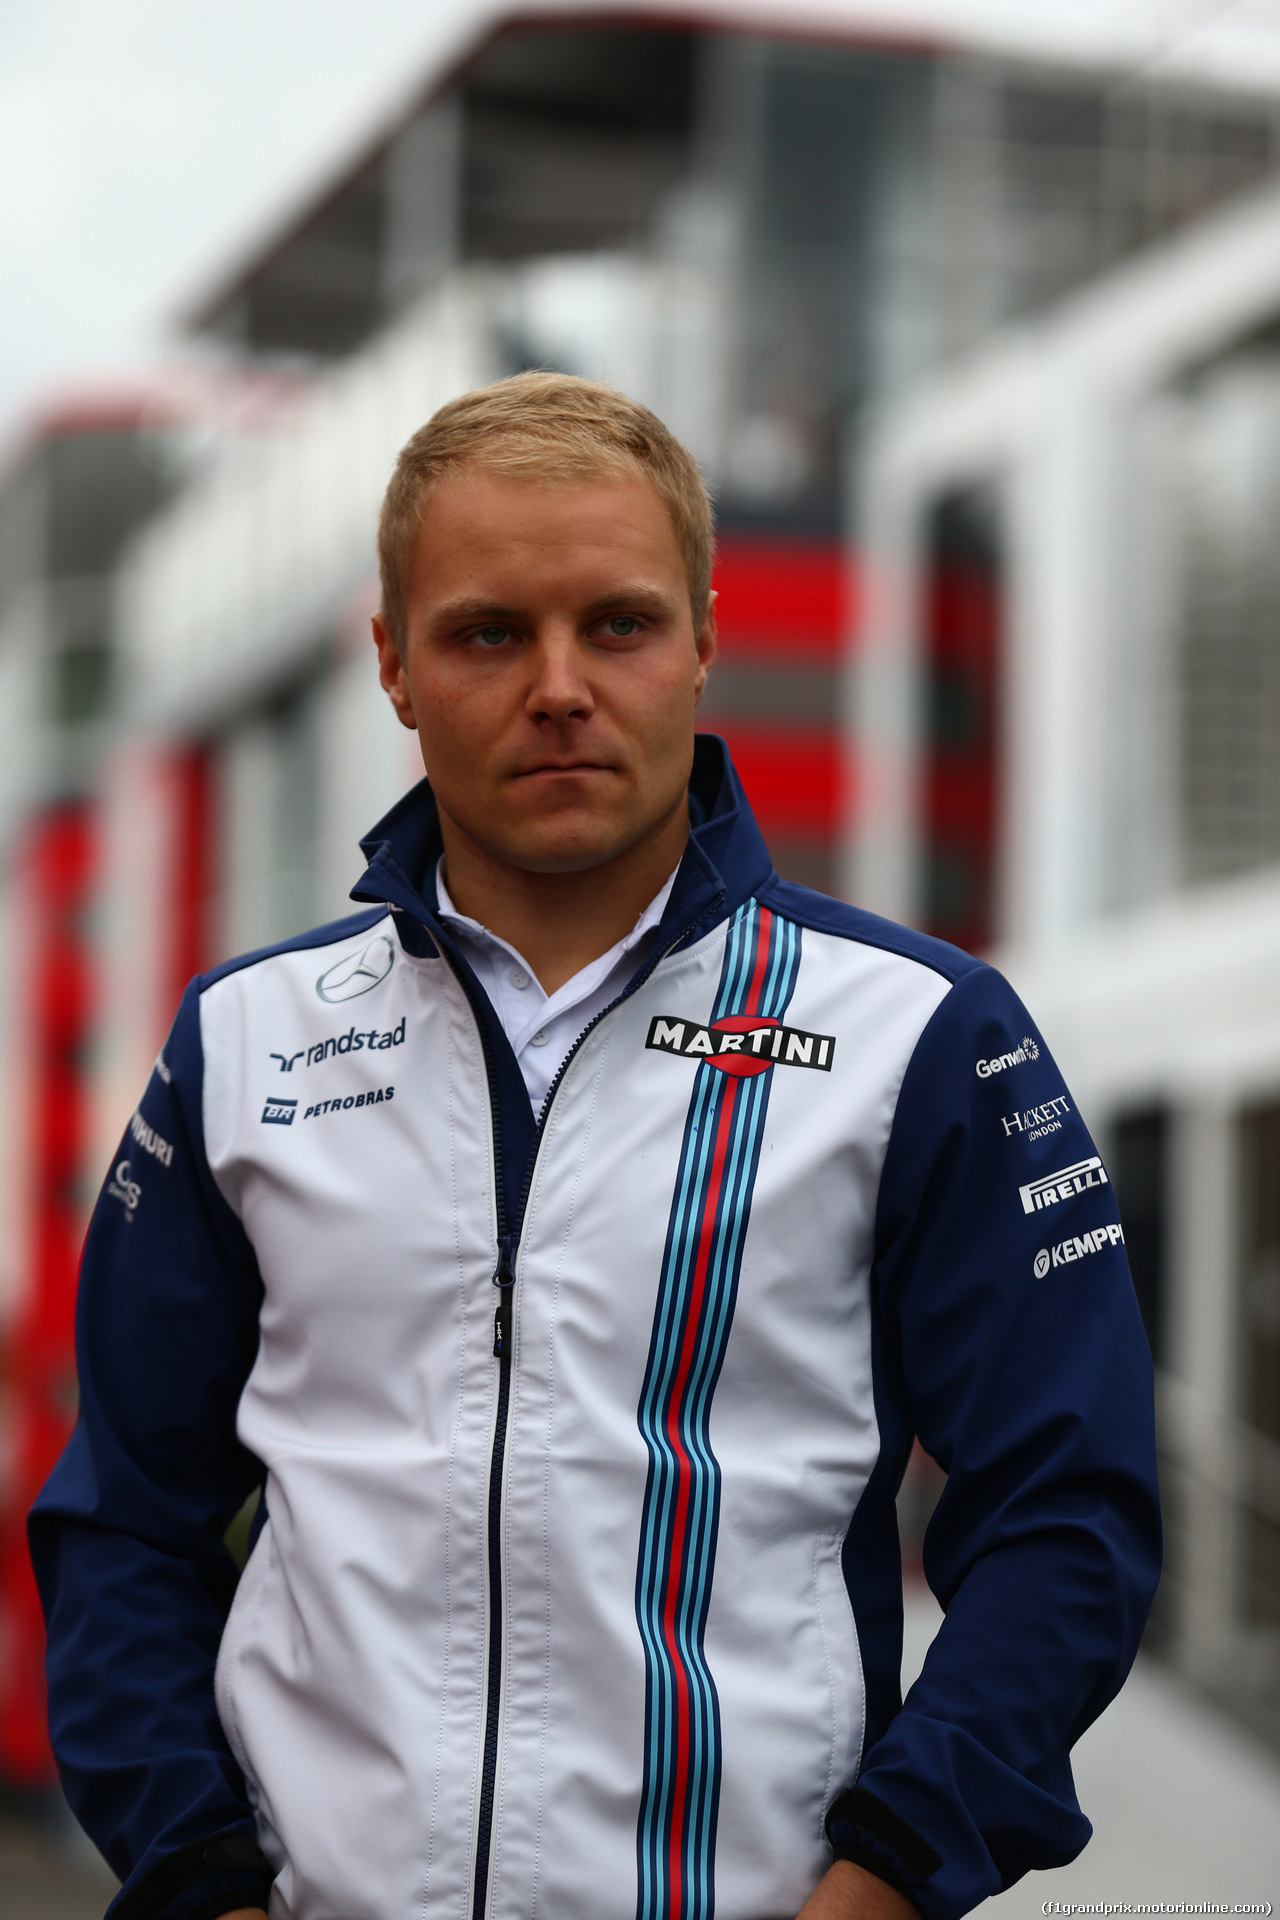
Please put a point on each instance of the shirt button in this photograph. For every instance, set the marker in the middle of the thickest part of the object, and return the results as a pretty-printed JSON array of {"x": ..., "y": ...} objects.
[
  {"x": 519, "y": 979},
  {"x": 540, "y": 1038}
]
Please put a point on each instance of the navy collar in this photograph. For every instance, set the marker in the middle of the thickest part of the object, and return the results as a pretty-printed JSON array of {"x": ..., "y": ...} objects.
[{"x": 725, "y": 859}]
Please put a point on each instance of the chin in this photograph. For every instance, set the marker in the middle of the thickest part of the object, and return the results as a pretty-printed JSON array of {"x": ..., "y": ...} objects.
[
  {"x": 561, "y": 839},
  {"x": 576, "y": 857}
]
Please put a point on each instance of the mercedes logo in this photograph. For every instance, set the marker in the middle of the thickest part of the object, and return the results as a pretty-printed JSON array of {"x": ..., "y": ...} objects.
[{"x": 358, "y": 972}]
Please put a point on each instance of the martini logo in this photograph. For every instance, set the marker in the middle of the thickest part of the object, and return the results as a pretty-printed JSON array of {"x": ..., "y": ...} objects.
[
  {"x": 358, "y": 973},
  {"x": 742, "y": 1044}
]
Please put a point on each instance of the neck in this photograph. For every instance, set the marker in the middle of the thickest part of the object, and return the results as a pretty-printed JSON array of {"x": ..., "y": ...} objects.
[{"x": 561, "y": 922}]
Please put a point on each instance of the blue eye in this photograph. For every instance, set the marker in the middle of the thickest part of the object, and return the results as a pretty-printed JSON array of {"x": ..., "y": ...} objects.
[
  {"x": 492, "y": 636},
  {"x": 622, "y": 626}
]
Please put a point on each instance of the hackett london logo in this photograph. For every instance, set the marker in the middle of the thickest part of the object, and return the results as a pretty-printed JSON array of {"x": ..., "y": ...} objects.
[{"x": 742, "y": 1044}]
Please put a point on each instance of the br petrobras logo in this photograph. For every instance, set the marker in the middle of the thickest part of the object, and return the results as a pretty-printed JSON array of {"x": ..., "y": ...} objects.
[
  {"x": 742, "y": 1044},
  {"x": 279, "y": 1113},
  {"x": 1063, "y": 1185},
  {"x": 1078, "y": 1248},
  {"x": 358, "y": 973}
]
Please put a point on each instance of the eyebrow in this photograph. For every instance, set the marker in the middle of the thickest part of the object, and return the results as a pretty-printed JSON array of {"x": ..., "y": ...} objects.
[
  {"x": 637, "y": 596},
  {"x": 464, "y": 612}
]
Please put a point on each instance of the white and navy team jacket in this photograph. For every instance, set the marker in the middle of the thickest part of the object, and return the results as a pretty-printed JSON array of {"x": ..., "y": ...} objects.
[{"x": 575, "y": 1587}]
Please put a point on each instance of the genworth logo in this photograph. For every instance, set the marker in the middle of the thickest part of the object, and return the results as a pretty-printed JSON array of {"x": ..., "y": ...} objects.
[
  {"x": 742, "y": 1044},
  {"x": 1025, "y": 1051}
]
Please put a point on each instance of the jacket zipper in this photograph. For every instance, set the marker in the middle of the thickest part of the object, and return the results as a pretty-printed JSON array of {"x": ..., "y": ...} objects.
[{"x": 504, "y": 1279}]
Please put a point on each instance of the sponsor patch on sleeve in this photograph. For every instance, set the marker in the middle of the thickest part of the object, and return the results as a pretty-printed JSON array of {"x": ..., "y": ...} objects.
[
  {"x": 1063, "y": 1185},
  {"x": 1079, "y": 1247}
]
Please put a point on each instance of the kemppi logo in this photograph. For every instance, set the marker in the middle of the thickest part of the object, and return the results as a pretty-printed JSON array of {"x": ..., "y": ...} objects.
[{"x": 1079, "y": 1247}]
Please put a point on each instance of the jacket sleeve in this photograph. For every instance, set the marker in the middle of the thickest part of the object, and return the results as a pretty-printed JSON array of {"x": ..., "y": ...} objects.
[
  {"x": 1008, "y": 1338},
  {"x": 126, "y": 1536}
]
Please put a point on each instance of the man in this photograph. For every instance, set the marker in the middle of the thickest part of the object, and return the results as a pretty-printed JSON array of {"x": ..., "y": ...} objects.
[{"x": 572, "y": 1245}]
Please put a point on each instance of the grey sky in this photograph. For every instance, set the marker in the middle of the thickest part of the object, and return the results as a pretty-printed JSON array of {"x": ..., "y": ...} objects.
[{"x": 143, "y": 143}]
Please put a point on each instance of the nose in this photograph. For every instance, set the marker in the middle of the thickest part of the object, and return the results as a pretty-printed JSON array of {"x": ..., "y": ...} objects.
[{"x": 559, "y": 690}]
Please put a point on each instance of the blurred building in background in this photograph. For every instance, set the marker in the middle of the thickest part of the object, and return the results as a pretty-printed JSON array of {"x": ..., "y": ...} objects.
[{"x": 982, "y": 356}]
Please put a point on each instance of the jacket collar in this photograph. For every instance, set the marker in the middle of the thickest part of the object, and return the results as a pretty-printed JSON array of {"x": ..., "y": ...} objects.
[{"x": 725, "y": 859}]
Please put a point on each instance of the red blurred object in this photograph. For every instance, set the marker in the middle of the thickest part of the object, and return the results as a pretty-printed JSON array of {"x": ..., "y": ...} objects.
[
  {"x": 56, "y": 872},
  {"x": 787, "y": 602},
  {"x": 963, "y": 640},
  {"x": 791, "y": 598},
  {"x": 192, "y": 876},
  {"x": 793, "y": 776}
]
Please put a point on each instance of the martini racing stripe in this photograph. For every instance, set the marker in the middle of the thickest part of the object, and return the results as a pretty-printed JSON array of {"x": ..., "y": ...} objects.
[{"x": 676, "y": 1830}]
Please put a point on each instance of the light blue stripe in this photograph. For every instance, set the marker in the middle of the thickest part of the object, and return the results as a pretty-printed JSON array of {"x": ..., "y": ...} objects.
[{"x": 688, "y": 1210}]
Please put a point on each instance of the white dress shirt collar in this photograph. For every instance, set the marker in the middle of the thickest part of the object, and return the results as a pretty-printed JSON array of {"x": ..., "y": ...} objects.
[{"x": 542, "y": 1027}]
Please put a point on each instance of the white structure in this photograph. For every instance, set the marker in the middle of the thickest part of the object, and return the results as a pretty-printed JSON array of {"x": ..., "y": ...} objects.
[{"x": 1130, "y": 440}]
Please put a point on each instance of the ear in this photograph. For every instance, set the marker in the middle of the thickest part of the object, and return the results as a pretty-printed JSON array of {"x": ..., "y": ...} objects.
[
  {"x": 706, "y": 642},
  {"x": 395, "y": 681}
]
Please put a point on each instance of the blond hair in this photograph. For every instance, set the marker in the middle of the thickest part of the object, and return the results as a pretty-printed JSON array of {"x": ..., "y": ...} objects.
[{"x": 551, "y": 427}]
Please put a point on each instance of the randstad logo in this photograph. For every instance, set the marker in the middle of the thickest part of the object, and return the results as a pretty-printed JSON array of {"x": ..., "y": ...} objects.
[
  {"x": 351, "y": 1041},
  {"x": 742, "y": 1044},
  {"x": 1025, "y": 1051},
  {"x": 359, "y": 972}
]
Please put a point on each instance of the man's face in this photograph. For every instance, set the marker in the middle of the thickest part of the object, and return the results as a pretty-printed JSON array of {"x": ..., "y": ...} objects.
[{"x": 551, "y": 665}]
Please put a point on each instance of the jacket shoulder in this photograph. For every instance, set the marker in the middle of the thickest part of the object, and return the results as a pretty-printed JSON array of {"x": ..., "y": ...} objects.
[
  {"x": 331, "y": 934},
  {"x": 824, "y": 914}
]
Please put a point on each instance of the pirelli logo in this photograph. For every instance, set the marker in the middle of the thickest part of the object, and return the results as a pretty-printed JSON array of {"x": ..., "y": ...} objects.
[
  {"x": 1064, "y": 1185},
  {"x": 742, "y": 1044}
]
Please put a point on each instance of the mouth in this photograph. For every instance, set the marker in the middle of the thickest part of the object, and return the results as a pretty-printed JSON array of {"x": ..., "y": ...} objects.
[{"x": 558, "y": 769}]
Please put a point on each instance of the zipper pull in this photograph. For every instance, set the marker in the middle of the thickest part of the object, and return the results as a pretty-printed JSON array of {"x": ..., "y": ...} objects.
[{"x": 504, "y": 1279}]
